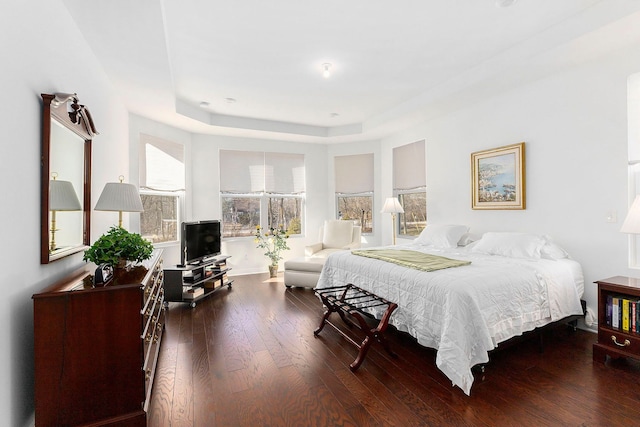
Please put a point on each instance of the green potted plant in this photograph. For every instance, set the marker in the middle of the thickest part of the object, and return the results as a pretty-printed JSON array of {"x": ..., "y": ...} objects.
[
  {"x": 273, "y": 241},
  {"x": 117, "y": 247}
]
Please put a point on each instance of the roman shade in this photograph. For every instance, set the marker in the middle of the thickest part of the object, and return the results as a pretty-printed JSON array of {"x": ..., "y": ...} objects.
[
  {"x": 409, "y": 171},
  {"x": 354, "y": 173},
  {"x": 161, "y": 164},
  {"x": 247, "y": 172}
]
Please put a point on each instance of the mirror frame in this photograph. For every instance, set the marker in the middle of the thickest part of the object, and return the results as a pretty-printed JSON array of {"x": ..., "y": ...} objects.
[{"x": 76, "y": 118}]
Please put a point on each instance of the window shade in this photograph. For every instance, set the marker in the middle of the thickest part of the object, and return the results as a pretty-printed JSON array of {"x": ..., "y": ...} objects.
[
  {"x": 161, "y": 164},
  {"x": 245, "y": 172},
  {"x": 409, "y": 169},
  {"x": 284, "y": 173},
  {"x": 354, "y": 174}
]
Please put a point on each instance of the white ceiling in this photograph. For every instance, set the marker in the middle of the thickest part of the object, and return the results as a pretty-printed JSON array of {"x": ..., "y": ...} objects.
[{"x": 394, "y": 63}]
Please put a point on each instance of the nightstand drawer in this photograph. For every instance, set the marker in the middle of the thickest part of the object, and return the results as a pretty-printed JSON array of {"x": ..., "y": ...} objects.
[{"x": 619, "y": 340}]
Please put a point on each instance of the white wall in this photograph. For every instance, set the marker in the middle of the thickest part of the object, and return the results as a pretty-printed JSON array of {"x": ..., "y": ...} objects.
[
  {"x": 574, "y": 124},
  {"x": 43, "y": 53}
]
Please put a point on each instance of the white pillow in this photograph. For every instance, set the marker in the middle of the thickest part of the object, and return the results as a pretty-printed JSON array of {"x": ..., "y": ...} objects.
[
  {"x": 514, "y": 245},
  {"x": 468, "y": 238},
  {"x": 552, "y": 250},
  {"x": 337, "y": 233},
  {"x": 441, "y": 235}
]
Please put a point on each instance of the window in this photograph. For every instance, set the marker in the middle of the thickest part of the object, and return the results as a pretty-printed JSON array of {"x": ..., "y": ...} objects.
[
  {"x": 358, "y": 209},
  {"x": 265, "y": 189},
  {"x": 161, "y": 188},
  {"x": 414, "y": 218},
  {"x": 159, "y": 221},
  {"x": 240, "y": 216},
  {"x": 285, "y": 212},
  {"x": 633, "y": 129},
  {"x": 409, "y": 185},
  {"x": 354, "y": 189}
]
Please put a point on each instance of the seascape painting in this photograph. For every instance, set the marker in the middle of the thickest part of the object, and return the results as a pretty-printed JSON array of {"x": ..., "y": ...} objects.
[{"x": 498, "y": 178}]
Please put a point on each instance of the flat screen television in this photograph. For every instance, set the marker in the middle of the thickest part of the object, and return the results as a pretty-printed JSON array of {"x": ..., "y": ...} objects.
[{"x": 199, "y": 240}]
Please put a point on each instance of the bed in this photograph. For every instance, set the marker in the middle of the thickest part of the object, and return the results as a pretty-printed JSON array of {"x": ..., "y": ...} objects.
[{"x": 515, "y": 282}]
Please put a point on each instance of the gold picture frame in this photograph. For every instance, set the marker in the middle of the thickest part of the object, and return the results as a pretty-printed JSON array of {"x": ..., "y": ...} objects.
[{"x": 498, "y": 178}]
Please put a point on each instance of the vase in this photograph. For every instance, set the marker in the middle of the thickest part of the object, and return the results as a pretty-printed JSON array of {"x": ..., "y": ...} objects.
[{"x": 273, "y": 270}]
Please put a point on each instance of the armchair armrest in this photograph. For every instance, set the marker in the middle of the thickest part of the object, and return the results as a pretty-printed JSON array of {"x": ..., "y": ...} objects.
[{"x": 312, "y": 249}]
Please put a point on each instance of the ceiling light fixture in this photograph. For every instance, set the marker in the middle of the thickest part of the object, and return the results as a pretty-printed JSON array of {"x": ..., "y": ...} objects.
[
  {"x": 204, "y": 104},
  {"x": 326, "y": 70},
  {"x": 230, "y": 100}
]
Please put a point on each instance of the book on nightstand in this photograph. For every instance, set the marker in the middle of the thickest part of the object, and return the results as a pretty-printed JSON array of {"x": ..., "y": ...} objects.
[
  {"x": 625, "y": 314},
  {"x": 615, "y": 313}
]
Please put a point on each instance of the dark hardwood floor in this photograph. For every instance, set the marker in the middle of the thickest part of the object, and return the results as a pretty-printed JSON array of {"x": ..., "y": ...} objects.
[{"x": 248, "y": 357}]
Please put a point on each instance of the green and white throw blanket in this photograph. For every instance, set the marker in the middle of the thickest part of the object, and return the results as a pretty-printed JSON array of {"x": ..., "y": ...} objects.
[{"x": 411, "y": 259}]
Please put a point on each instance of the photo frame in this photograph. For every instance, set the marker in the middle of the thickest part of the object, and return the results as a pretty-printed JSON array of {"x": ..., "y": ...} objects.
[{"x": 498, "y": 178}]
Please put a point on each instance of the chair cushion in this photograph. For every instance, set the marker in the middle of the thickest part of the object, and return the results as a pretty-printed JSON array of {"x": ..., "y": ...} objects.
[
  {"x": 337, "y": 234},
  {"x": 305, "y": 264}
]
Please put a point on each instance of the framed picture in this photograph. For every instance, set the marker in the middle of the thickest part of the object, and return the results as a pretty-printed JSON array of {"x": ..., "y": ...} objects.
[{"x": 498, "y": 178}]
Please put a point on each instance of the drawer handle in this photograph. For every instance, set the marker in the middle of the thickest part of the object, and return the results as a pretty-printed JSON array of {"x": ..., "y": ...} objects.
[{"x": 615, "y": 341}]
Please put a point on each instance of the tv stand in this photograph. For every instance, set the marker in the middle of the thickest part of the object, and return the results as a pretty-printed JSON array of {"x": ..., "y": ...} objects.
[{"x": 192, "y": 282}]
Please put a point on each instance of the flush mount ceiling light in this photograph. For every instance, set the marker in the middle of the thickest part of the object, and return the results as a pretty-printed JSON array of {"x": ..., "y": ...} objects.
[
  {"x": 505, "y": 3},
  {"x": 230, "y": 100},
  {"x": 326, "y": 70},
  {"x": 204, "y": 104},
  {"x": 334, "y": 114}
]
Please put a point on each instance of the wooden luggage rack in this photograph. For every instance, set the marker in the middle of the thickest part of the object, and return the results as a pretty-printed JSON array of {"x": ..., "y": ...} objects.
[{"x": 352, "y": 300}]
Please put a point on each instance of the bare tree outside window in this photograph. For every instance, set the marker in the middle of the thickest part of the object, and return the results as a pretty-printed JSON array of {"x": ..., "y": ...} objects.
[
  {"x": 159, "y": 221},
  {"x": 358, "y": 209},
  {"x": 285, "y": 213},
  {"x": 414, "y": 218},
  {"x": 240, "y": 216}
]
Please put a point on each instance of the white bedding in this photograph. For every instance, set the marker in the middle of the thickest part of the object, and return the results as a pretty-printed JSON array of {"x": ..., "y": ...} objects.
[{"x": 464, "y": 312}]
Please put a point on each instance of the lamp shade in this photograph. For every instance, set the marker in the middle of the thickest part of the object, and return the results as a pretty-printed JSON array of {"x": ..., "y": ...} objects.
[
  {"x": 632, "y": 221},
  {"x": 62, "y": 196},
  {"x": 119, "y": 196},
  {"x": 392, "y": 205}
]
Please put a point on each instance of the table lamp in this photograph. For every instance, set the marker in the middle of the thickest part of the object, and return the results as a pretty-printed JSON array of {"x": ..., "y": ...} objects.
[{"x": 120, "y": 197}]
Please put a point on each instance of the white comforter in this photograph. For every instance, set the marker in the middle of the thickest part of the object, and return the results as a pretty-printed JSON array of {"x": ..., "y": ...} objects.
[{"x": 464, "y": 312}]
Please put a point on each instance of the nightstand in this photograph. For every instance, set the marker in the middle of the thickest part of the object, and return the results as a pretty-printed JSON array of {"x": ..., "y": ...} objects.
[{"x": 614, "y": 341}]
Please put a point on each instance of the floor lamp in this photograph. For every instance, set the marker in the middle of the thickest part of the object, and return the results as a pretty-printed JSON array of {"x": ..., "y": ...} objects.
[
  {"x": 120, "y": 197},
  {"x": 392, "y": 206}
]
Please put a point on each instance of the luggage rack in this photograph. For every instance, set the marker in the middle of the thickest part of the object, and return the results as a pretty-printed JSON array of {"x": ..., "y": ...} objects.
[{"x": 352, "y": 300}]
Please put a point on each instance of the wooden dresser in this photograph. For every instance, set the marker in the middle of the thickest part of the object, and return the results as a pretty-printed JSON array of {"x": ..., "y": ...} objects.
[{"x": 96, "y": 348}]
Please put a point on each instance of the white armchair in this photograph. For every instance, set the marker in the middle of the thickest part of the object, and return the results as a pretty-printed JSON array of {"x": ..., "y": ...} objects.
[{"x": 335, "y": 235}]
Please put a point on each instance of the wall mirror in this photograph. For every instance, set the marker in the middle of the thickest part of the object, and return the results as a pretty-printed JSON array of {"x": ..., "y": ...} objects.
[{"x": 67, "y": 131}]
